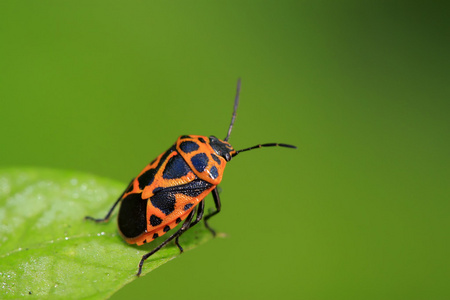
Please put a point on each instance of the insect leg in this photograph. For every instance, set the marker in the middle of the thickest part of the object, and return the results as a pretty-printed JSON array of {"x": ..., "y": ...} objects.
[
  {"x": 200, "y": 210},
  {"x": 180, "y": 231},
  {"x": 216, "y": 197},
  {"x": 106, "y": 218}
]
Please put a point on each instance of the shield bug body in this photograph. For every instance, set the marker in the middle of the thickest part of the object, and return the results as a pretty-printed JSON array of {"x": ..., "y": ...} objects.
[{"x": 172, "y": 188}]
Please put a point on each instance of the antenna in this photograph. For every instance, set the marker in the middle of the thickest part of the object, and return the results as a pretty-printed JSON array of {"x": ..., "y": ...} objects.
[
  {"x": 236, "y": 103},
  {"x": 264, "y": 145}
]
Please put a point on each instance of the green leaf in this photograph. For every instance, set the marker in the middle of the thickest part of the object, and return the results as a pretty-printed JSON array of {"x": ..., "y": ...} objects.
[{"x": 48, "y": 250}]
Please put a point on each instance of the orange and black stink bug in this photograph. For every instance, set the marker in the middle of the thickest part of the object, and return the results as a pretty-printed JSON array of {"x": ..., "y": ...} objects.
[{"x": 173, "y": 187}]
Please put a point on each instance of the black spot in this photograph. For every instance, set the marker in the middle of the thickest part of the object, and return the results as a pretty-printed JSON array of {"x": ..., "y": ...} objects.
[
  {"x": 155, "y": 236},
  {"x": 213, "y": 173},
  {"x": 178, "y": 220},
  {"x": 153, "y": 161},
  {"x": 216, "y": 159},
  {"x": 185, "y": 137},
  {"x": 167, "y": 228},
  {"x": 202, "y": 140},
  {"x": 132, "y": 215},
  {"x": 148, "y": 177},
  {"x": 144, "y": 242},
  {"x": 176, "y": 167},
  {"x": 164, "y": 201},
  {"x": 154, "y": 220},
  {"x": 187, "y": 206},
  {"x": 200, "y": 161},
  {"x": 188, "y": 146}
]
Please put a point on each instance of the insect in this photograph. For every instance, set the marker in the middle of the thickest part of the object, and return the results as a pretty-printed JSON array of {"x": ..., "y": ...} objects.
[{"x": 172, "y": 188}]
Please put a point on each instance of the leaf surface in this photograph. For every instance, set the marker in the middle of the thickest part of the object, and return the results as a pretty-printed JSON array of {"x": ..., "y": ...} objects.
[{"x": 48, "y": 250}]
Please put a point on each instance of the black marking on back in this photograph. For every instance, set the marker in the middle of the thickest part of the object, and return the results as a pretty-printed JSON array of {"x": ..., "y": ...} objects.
[
  {"x": 202, "y": 140},
  {"x": 213, "y": 173},
  {"x": 166, "y": 228},
  {"x": 189, "y": 146},
  {"x": 176, "y": 168},
  {"x": 158, "y": 189},
  {"x": 187, "y": 206},
  {"x": 164, "y": 201},
  {"x": 200, "y": 161},
  {"x": 185, "y": 137},
  {"x": 148, "y": 177},
  {"x": 132, "y": 216},
  {"x": 155, "y": 236},
  {"x": 154, "y": 220},
  {"x": 178, "y": 220},
  {"x": 216, "y": 159},
  {"x": 191, "y": 189}
]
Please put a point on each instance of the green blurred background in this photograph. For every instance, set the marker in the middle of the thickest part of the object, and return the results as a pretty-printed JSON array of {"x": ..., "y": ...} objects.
[{"x": 359, "y": 211}]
